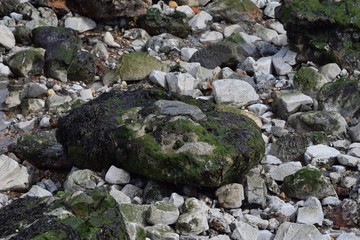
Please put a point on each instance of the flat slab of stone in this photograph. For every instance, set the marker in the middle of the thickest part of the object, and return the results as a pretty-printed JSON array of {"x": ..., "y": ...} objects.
[
  {"x": 13, "y": 176},
  {"x": 291, "y": 231}
]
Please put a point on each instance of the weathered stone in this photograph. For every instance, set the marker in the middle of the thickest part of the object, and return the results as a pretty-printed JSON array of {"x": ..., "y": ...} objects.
[
  {"x": 180, "y": 83},
  {"x": 132, "y": 191},
  {"x": 308, "y": 182},
  {"x": 245, "y": 232},
  {"x": 163, "y": 213},
  {"x": 235, "y": 93},
  {"x": 289, "y": 231},
  {"x": 200, "y": 21},
  {"x": 82, "y": 180},
  {"x": 173, "y": 108},
  {"x": 231, "y": 195},
  {"x": 330, "y": 71},
  {"x": 13, "y": 177},
  {"x": 117, "y": 176},
  {"x": 286, "y": 104},
  {"x": 36, "y": 191},
  {"x": 320, "y": 155},
  {"x": 256, "y": 190},
  {"x": 309, "y": 80},
  {"x": 6, "y": 7},
  {"x": 80, "y": 24},
  {"x": 27, "y": 62},
  {"x": 7, "y": 39},
  {"x": 311, "y": 212},
  {"x": 119, "y": 196},
  {"x": 194, "y": 218},
  {"x": 348, "y": 160},
  {"x": 354, "y": 133},
  {"x": 278, "y": 173},
  {"x": 161, "y": 231}
]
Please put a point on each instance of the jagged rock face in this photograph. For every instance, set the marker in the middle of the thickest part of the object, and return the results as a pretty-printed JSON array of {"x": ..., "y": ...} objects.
[
  {"x": 172, "y": 141},
  {"x": 106, "y": 9},
  {"x": 323, "y": 31}
]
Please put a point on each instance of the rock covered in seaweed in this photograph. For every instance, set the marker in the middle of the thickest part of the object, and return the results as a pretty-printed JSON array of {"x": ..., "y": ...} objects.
[{"x": 186, "y": 142}]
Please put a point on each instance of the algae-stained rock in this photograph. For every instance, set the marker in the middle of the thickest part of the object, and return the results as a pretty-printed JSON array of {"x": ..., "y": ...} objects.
[
  {"x": 137, "y": 66},
  {"x": 82, "y": 67},
  {"x": 41, "y": 150},
  {"x": 125, "y": 129},
  {"x": 156, "y": 23},
  {"x": 291, "y": 147},
  {"x": 27, "y": 63},
  {"x": 105, "y": 9},
  {"x": 7, "y": 7},
  {"x": 323, "y": 31},
  {"x": 308, "y": 182},
  {"x": 309, "y": 80},
  {"x": 332, "y": 123},
  {"x": 342, "y": 96},
  {"x": 91, "y": 215},
  {"x": 236, "y": 11},
  {"x": 227, "y": 53}
]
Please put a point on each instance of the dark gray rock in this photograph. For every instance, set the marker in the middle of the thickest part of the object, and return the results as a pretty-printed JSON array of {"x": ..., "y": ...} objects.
[
  {"x": 173, "y": 108},
  {"x": 7, "y": 6}
]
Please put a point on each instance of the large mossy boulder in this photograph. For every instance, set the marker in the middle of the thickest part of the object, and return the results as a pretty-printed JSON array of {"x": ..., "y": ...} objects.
[
  {"x": 85, "y": 215},
  {"x": 188, "y": 142},
  {"x": 342, "y": 96},
  {"x": 27, "y": 63},
  {"x": 63, "y": 57},
  {"x": 155, "y": 23},
  {"x": 323, "y": 31}
]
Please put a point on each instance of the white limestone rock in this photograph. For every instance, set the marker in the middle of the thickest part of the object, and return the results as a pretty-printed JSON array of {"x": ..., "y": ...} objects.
[
  {"x": 37, "y": 191},
  {"x": 320, "y": 154},
  {"x": 80, "y": 24},
  {"x": 278, "y": 173},
  {"x": 291, "y": 231},
  {"x": 235, "y": 93},
  {"x": 118, "y": 195},
  {"x": 117, "y": 176},
  {"x": 230, "y": 195},
  {"x": 13, "y": 176},
  {"x": 330, "y": 71},
  {"x": 186, "y": 53},
  {"x": 110, "y": 41},
  {"x": 163, "y": 213},
  {"x": 200, "y": 21},
  {"x": 311, "y": 212},
  {"x": 186, "y": 9},
  {"x": 180, "y": 82},
  {"x": 211, "y": 37},
  {"x": 348, "y": 160},
  {"x": 7, "y": 38},
  {"x": 245, "y": 231},
  {"x": 82, "y": 180}
]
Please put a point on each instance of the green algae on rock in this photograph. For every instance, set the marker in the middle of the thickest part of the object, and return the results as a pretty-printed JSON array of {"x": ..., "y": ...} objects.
[
  {"x": 323, "y": 31},
  {"x": 309, "y": 80},
  {"x": 131, "y": 133},
  {"x": 27, "y": 63},
  {"x": 137, "y": 66},
  {"x": 308, "y": 182},
  {"x": 90, "y": 215},
  {"x": 342, "y": 96}
]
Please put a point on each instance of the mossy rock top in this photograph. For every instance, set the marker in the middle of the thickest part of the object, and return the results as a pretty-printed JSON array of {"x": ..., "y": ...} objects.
[
  {"x": 308, "y": 182},
  {"x": 137, "y": 66},
  {"x": 128, "y": 130},
  {"x": 309, "y": 80}
]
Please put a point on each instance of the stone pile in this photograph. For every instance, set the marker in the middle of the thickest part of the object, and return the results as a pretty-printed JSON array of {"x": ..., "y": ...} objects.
[{"x": 207, "y": 60}]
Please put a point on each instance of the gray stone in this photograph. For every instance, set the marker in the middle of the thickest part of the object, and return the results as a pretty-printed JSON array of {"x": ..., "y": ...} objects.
[
  {"x": 110, "y": 41},
  {"x": 211, "y": 37},
  {"x": 259, "y": 109},
  {"x": 263, "y": 65},
  {"x": 332, "y": 123},
  {"x": 176, "y": 199},
  {"x": 265, "y": 235},
  {"x": 287, "y": 103},
  {"x": 7, "y": 39},
  {"x": 330, "y": 71},
  {"x": 13, "y": 176},
  {"x": 201, "y": 73},
  {"x": 6, "y": 7},
  {"x": 281, "y": 67},
  {"x": 100, "y": 51},
  {"x": 55, "y": 101},
  {"x": 276, "y": 25},
  {"x": 333, "y": 201},
  {"x": 231, "y": 29},
  {"x": 5, "y": 70},
  {"x": 348, "y": 160},
  {"x": 230, "y": 195},
  {"x": 174, "y": 108},
  {"x": 200, "y": 21},
  {"x": 117, "y": 176},
  {"x": 290, "y": 231},
  {"x": 264, "y": 33},
  {"x": 256, "y": 221},
  {"x": 161, "y": 232},
  {"x": 44, "y": 122},
  {"x": 33, "y": 105},
  {"x": 163, "y": 213},
  {"x": 272, "y": 160},
  {"x": 164, "y": 43},
  {"x": 349, "y": 181},
  {"x": 50, "y": 185},
  {"x": 354, "y": 133},
  {"x": 26, "y": 126},
  {"x": 290, "y": 57},
  {"x": 348, "y": 236},
  {"x": 186, "y": 9},
  {"x": 256, "y": 190},
  {"x": 180, "y": 82},
  {"x": 245, "y": 232},
  {"x": 86, "y": 94},
  {"x": 194, "y": 219},
  {"x": 82, "y": 180},
  {"x": 134, "y": 213},
  {"x": 37, "y": 191},
  {"x": 34, "y": 90},
  {"x": 320, "y": 155},
  {"x": 132, "y": 191},
  {"x": 309, "y": 80},
  {"x": 269, "y": 10},
  {"x": 119, "y": 196},
  {"x": 80, "y": 24},
  {"x": 279, "y": 206},
  {"x": 186, "y": 53},
  {"x": 220, "y": 237},
  {"x": 278, "y": 173},
  {"x": 3, "y": 200},
  {"x": 311, "y": 212},
  {"x": 235, "y": 93}
]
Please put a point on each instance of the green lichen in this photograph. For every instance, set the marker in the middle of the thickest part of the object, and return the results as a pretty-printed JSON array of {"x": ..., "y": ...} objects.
[
  {"x": 307, "y": 79},
  {"x": 54, "y": 235},
  {"x": 165, "y": 206}
]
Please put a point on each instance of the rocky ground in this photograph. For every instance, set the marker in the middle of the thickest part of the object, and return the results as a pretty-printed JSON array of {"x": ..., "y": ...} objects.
[{"x": 194, "y": 119}]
